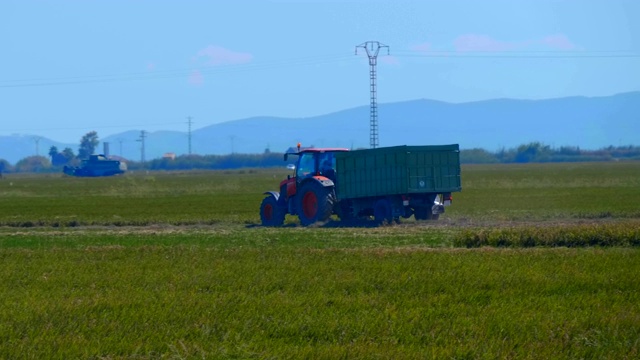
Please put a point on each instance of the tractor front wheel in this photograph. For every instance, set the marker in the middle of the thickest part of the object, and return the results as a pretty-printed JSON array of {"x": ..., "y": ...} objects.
[
  {"x": 314, "y": 203},
  {"x": 270, "y": 213}
]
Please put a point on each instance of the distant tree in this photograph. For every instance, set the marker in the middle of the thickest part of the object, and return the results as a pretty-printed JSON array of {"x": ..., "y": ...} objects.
[
  {"x": 533, "y": 152},
  {"x": 568, "y": 150},
  {"x": 229, "y": 161},
  {"x": 33, "y": 164},
  {"x": 5, "y": 166},
  {"x": 88, "y": 144},
  {"x": 57, "y": 158},
  {"x": 53, "y": 151},
  {"x": 477, "y": 156},
  {"x": 70, "y": 157},
  {"x": 68, "y": 153}
]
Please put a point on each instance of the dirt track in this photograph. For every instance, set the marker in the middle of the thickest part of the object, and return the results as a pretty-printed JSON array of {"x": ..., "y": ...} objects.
[{"x": 224, "y": 228}]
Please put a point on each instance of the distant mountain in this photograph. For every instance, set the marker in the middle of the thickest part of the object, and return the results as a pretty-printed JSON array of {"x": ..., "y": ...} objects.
[
  {"x": 587, "y": 122},
  {"x": 16, "y": 147}
]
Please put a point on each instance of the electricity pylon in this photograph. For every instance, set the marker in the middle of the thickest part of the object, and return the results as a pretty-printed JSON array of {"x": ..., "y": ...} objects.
[{"x": 372, "y": 49}]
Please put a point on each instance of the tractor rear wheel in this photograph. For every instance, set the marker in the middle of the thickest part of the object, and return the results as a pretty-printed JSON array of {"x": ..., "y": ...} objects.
[
  {"x": 314, "y": 203},
  {"x": 270, "y": 213}
]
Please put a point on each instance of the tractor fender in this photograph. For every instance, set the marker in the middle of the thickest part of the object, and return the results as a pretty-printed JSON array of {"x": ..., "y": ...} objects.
[
  {"x": 275, "y": 194},
  {"x": 323, "y": 181}
]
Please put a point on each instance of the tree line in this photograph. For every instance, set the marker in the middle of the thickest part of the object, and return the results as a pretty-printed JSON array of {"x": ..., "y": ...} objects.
[
  {"x": 529, "y": 153},
  {"x": 540, "y": 153}
]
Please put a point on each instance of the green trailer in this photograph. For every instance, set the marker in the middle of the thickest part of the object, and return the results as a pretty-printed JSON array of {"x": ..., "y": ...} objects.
[
  {"x": 384, "y": 184},
  {"x": 398, "y": 181},
  {"x": 398, "y": 170}
]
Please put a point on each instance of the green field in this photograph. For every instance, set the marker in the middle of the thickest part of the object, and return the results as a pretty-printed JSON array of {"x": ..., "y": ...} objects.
[{"x": 531, "y": 261}]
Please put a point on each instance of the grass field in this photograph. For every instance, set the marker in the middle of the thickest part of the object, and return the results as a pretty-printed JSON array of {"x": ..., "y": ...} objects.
[{"x": 531, "y": 261}]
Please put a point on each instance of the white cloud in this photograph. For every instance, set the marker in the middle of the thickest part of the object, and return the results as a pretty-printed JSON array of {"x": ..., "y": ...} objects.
[
  {"x": 196, "y": 78},
  {"x": 216, "y": 55},
  {"x": 476, "y": 42},
  {"x": 558, "y": 41}
]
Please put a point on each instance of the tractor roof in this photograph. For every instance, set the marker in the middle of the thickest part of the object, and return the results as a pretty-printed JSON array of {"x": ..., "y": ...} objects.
[
  {"x": 295, "y": 151},
  {"x": 321, "y": 150},
  {"x": 292, "y": 151}
]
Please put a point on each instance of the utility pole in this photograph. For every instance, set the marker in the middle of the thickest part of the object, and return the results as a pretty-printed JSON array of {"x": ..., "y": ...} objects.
[
  {"x": 372, "y": 49},
  {"x": 120, "y": 142},
  {"x": 143, "y": 135},
  {"x": 189, "y": 122}
]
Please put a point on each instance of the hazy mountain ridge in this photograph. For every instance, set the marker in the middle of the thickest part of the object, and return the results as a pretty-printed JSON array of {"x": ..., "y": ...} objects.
[{"x": 587, "y": 122}]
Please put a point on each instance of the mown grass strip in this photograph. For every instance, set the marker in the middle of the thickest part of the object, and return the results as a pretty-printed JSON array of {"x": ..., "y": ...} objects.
[
  {"x": 225, "y": 236},
  {"x": 569, "y": 235}
]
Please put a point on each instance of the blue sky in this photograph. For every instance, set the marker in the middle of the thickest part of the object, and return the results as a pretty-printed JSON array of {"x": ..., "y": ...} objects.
[{"x": 69, "y": 67}]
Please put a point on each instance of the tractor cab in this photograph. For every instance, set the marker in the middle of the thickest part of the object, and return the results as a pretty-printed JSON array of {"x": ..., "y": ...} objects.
[{"x": 314, "y": 162}]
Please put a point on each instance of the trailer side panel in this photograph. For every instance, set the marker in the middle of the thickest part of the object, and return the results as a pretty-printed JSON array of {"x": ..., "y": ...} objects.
[{"x": 398, "y": 170}]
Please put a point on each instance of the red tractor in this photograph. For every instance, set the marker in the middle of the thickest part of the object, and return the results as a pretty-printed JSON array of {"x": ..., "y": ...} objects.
[
  {"x": 309, "y": 193},
  {"x": 384, "y": 183}
]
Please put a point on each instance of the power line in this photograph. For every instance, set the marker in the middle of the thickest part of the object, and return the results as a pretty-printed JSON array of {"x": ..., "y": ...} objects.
[
  {"x": 518, "y": 54},
  {"x": 176, "y": 73},
  {"x": 308, "y": 61}
]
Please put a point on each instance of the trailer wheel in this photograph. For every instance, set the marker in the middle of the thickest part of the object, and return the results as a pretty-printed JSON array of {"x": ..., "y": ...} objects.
[
  {"x": 382, "y": 211},
  {"x": 314, "y": 203},
  {"x": 270, "y": 212},
  {"x": 345, "y": 211},
  {"x": 424, "y": 213},
  {"x": 421, "y": 213}
]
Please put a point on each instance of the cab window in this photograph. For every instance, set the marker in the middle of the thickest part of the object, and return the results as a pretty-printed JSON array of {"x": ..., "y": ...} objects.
[
  {"x": 306, "y": 166},
  {"x": 327, "y": 162}
]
